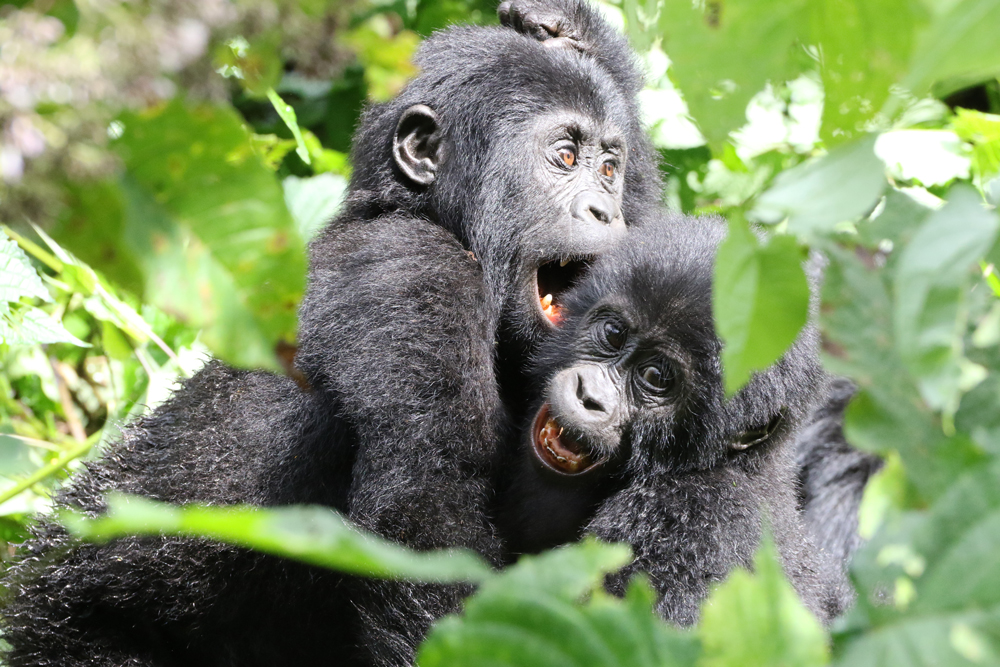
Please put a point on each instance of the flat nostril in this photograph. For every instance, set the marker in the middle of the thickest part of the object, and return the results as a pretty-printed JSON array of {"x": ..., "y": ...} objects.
[
  {"x": 600, "y": 214},
  {"x": 588, "y": 402}
]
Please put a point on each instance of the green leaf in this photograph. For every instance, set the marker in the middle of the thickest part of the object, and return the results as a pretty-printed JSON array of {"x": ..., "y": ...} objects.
[
  {"x": 888, "y": 412},
  {"x": 31, "y": 326},
  {"x": 983, "y": 132},
  {"x": 960, "y": 47},
  {"x": 815, "y": 196},
  {"x": 531, "y": 614},
  {"x": 313, "y": 201},
  {"x": 18, "y": 278},
  {"x": 949, "y": 560},
  {"x": 701, "y": 41},
  {"x": 207, "y": 224},
  {"x": 760, "y": 301},
  {"x": 315, "y": 535},
  {"x": 931, "y": 281},
  {"x": 861, "y": 48},
  {"x": 758, "y": 620},
  {"x": 287, "y": 114}
]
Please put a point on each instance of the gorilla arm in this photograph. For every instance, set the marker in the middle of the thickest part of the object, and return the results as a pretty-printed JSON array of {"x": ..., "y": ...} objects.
[{"x": 396, "y": 323}]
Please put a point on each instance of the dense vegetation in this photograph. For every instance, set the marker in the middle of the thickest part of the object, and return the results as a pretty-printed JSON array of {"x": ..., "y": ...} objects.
[{"x": 163, "y": 163}]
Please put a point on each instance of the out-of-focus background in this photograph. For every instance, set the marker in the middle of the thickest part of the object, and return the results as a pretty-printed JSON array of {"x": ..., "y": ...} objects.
[{"x": 164, "y": 163}]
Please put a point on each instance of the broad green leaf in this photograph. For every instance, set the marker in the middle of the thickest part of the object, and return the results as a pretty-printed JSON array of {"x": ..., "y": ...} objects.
[
  {"x": 532, "y": 614},
  {"x": 313, "y": 201},
  {"x": 760, "y": 301},
  {"x": 287, "y": 114},
  {"x": 815, "y": 196},
  {"x": 888, "y": 412},
  {"x": 861, "y": 49},
  {"x": 958, "y": 49},
  {"x": 865, "y": 46},
  {"x": 312, "y": 534},
  {"x": 207, "y": 224},
  {"x": 564, "y": 573},
  {"x": 949, "y": 560},
  {"x": 17, "y": 456},
  {"x": 18, "y": 278},
  {"x": 716, "y": 85},
  {"x": 757, "y": 620},
  {"x": 931, "y": 280}
]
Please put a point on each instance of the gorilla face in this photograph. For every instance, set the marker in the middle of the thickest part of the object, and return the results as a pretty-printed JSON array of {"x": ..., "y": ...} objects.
[
  {"x": 629, "y": 387},
  {"x": 620, "y": 371},
  {"x": 559, "y": 176},
  {"x": 634, "y": 371},
  {"x": 577, "y": 179}
]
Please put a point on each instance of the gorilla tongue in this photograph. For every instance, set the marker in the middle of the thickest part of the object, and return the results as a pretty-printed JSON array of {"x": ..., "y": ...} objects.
[{"x": 556, "y": 449}]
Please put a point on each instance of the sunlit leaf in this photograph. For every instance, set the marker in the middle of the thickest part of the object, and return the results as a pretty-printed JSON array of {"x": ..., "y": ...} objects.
[
  {"x": 18, "y": 278},
  {"x": 934, "y": 270},
  {"x": 757, "y": 620},
  {"x": 210, "y": 231},
  {"x": 760, "y": 301},
  {"x": 312, "y": 534},
  {"x": 531, "y": 615},
  {"x": 287, "y": 114},
  {"x": 815, "y": 196}
]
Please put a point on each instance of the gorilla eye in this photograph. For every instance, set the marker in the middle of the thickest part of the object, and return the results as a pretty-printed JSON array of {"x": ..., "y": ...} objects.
[
  {"x": 607, "y": 169},
  {"x": 568, "y": 156},
  {"x": 615, "y": 334},
  {"x": 657, "y": 375}
]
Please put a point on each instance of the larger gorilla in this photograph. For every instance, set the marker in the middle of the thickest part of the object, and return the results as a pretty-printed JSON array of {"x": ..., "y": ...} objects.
[{"x": 478, "y": 195}]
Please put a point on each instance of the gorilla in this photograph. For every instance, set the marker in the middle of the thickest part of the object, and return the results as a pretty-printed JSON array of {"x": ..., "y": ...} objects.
[
  {"x": 632, "y": 438},
  {"x": 832, "y": 474},
  {"x": 478, "y": 196}
]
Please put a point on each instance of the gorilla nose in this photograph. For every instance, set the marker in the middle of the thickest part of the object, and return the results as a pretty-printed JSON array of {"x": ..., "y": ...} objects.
[
  {"x": 593, "y": 206},
  {"x": 593, "y": 391}
]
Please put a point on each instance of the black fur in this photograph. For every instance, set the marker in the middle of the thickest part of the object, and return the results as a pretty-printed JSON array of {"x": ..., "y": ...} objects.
[
  {"x": 401, "y": 427},
  {"x": 832, "y": 475},
  {"x": 674, "y": 484}
]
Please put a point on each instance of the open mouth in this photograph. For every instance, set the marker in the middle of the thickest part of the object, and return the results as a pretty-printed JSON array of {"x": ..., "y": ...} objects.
[
  {"x": 557, "y": 450},
  {"x": 552, "y": 280}
]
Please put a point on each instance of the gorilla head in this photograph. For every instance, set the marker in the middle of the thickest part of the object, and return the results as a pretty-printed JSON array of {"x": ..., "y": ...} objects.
[
  {"x": 530, "y": 155},
  {"x": 631, "y": 386}
]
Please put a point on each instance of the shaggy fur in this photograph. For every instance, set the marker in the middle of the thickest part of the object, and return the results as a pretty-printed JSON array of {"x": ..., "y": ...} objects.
[
  {"x": 408, "y": 290},
  {"x": 691, "y": 505},
  {"x": 832, "y": 473}
]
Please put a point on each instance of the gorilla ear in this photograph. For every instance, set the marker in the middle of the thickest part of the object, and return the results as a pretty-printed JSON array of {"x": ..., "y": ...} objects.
[
  {"x": 755, "y": 436},
  {"x": 416, "y": 147}
]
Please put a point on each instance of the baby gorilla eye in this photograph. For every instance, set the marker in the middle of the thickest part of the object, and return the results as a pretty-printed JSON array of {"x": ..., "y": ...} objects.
[
  {"x": 658, "y": 375},
  {"x": 615, "y": 334},
  {"x": 568, "y": 156},
  {"x": 607, "y": 169}
]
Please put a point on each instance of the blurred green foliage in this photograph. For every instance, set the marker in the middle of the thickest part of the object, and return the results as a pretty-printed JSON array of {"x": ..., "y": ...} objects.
[{"x": 162, "y": 165}]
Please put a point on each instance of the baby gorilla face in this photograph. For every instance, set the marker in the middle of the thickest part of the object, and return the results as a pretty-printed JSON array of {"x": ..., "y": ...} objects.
[
  {"x": 620, "y": 370},
  {"x": 636, "y": 364}
]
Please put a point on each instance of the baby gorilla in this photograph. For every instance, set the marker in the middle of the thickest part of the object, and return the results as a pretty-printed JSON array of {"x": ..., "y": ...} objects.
[{"x": 633, "y": 439}]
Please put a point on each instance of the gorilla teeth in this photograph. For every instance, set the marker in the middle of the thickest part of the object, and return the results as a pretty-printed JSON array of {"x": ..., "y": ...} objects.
[
  {"x": 562, "y": 454},
  {"x": 563, "y": 263}
]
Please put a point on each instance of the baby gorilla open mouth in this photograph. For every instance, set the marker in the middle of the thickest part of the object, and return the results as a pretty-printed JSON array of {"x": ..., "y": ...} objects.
[
  {"x": 553, "y": 279},
  {"x": 557, "y": 450}
]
